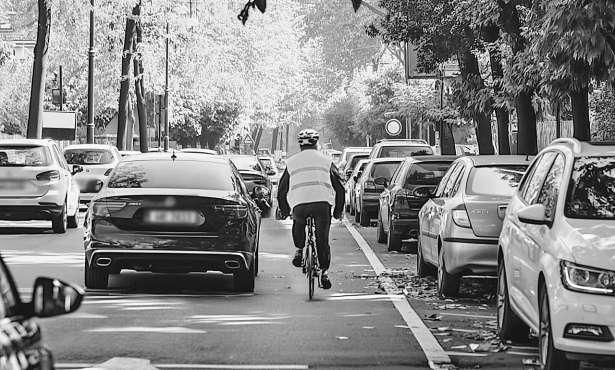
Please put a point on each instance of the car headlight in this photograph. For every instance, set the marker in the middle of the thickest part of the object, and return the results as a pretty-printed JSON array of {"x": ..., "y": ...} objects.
[{"x": 587, "y": 279}]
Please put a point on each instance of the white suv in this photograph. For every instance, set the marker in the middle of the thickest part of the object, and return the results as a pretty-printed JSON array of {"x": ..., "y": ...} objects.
[
  {"x": 556, "y": 260},
  {"x": 36, "y": 183}
]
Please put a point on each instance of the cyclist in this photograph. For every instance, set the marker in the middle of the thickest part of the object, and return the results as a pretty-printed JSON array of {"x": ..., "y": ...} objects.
[{"x": 310, "y": 186}]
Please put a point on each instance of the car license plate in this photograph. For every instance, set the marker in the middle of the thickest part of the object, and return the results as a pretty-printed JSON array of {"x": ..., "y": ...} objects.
[{"x": 173, "y": 217}]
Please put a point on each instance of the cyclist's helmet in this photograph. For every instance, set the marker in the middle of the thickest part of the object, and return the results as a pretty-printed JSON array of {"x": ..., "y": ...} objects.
[{"x": 308, "y": 137}]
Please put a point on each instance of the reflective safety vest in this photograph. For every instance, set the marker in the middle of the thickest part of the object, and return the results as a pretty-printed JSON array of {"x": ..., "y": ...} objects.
[{"x": 310, "y": 178}]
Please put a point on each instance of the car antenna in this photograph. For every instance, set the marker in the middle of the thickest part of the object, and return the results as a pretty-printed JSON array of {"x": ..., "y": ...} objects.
[{"x": 173, "y": 156}]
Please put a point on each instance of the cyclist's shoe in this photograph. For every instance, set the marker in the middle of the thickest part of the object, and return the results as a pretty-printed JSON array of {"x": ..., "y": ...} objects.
[
  {"x": 298, "y": 258},
  {"x": 324, "y": 281}
]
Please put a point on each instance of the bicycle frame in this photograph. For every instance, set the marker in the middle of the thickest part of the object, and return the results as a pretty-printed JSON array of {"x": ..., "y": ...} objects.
[{"x": 311, "y": 267}]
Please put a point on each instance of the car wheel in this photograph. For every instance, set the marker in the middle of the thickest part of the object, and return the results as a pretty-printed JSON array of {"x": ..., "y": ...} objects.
[
  {"x": 364, "y": 219},
  {"x": 550, "y": 358},
  {"x": 244, "y": 280},
  {"x": 72, "y": 221},
  {"x": 380, "y": 234},
  {"x": 266, "y": 212},
  {"x": 393, "y": 241},
  {"x": 448, "y": 284},
  {"x": 510, "y": 326},
  {"x": 423, "y": 269},
  {"x": 95, "y": 278},
  {"x": 59, "y": 224}
]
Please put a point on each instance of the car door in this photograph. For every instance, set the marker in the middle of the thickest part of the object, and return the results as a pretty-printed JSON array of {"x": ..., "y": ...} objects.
[
  {"x": 522, "y": 245},
  {"x": 388, "y": 195}
]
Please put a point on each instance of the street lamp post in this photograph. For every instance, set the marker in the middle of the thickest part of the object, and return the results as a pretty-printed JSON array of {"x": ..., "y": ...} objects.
[
  {"x": 166, "y": 94},
  {"x": 90, "y": 123}
]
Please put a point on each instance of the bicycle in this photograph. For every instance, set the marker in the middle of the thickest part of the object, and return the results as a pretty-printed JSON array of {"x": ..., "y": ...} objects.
[{"x": 311, "y": 269}]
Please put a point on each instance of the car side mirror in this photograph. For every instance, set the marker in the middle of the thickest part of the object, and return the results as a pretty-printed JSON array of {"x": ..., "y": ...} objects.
[
  {"x": 423, "y": 192},
  {"x": 534, "y": 215},
  {"x": 76, "y": 169},
  {"x": 99, "y": 185},
  {"x": 53, "y": 297},
  {"x": 381, "y": 181}
]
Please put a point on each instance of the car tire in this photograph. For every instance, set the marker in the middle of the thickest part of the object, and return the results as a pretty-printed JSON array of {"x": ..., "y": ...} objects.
[
  {"x": 244, "y": 280},
  {"x": 357, "y": 215},
  {"x": 347, "y": 207},
  {"x": 510, "y": 326},
  {"x": 95, "y": 278},
  {"x": 380, "y": 234},
  {"x": 266, "y": 213},
  {"x": 59, "y": 224},
  {"x": 550, "y": 358},
  {"x": 256, "y": 263},
  {"x": 448, "y": 284},
  {"x": 393, "y": 241},
  {"x": 364, "y": 219},
  {"x": 423, "y": 269},
  {"x": 71, "y": 222}
]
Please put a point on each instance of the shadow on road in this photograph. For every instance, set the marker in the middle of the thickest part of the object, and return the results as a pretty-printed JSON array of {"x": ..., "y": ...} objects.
[{"x": 24, "y": 230}]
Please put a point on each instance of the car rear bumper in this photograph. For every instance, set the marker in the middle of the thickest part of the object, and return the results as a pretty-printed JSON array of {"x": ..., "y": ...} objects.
[
  {"x": 30, "y": 212},
  {"x": 169, "y": 260},
  {"x": 477, "y": 256},
  {"x": 404, "y": 226}
]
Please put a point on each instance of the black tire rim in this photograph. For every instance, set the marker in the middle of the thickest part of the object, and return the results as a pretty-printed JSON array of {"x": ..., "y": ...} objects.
[
  {"x": 501, "y": 297},
  {"x": 544, "y": 331},
  {"x": 419, "y": 258}
]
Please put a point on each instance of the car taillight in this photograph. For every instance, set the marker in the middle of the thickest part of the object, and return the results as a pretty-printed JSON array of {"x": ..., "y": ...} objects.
[
  {"x": 104, "y": 208},
  {"x": 48, "y": 176},
  {"x": 235, "y": 210},
  {"x": 460, "y": 218}
]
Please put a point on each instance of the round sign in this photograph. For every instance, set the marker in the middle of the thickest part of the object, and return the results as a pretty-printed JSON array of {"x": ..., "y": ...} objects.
[{"x": 393, "y": 127}]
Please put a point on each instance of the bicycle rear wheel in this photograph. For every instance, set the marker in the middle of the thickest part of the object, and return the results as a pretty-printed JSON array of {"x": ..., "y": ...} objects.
[{"x": 310, "y": 271}]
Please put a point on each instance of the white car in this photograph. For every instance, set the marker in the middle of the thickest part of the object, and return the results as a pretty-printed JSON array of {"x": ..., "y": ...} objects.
[
  {"x": 556, "y": 259},
  {"x": 97, "y": 161},
  {"x": 36, "y": 183}
]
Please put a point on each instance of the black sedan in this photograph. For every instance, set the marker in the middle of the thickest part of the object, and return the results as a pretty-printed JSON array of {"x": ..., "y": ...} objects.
[
  {"x": 405, "y": 194},
  {"x": 256, "y": 177},
  {"x": 173, "y": 212}
]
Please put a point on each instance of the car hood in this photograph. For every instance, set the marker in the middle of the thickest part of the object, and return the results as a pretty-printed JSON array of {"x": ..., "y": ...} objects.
[{"x": 592, "y": 242}]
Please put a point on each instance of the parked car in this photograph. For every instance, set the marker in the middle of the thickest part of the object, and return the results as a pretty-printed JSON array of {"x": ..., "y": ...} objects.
[
  {"x": 556, "y": 264},
  {"x": 350, "y": 184},
  {"x": 460, "y": 149},
  {"x": 367, "y": 192},
  {"x": 405, "y": 194},
  {"x": 200, "y": 150},
  {"x": 97, "y": 161},
  {"x": 270, "y": 168},
  {"x": 352, "y": 162},
  {"x": 460, "y": 225},
  {"x": 36, "y": 183},
  {"x": 351, "y": 151},
  {"x": 127, "y": 153},
  {"x": 173, "y": 212},
  {"x": 396, "y": 148},
  {"x": 256, "y": 178},
  {"x": 21, "y": 336}
]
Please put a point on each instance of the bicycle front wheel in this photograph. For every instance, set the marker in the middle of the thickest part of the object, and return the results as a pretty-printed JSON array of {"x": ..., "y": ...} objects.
[{"x": 309, "y": 273}]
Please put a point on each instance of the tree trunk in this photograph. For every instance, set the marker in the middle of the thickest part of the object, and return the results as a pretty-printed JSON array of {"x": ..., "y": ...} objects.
[
  {"x": 447, "y": 141},
  {"x": 501, "y": 113},
  {"x": 257, "y": 139},
  {"x": 139, "y": 88},
  {"x": 39, "y": 71},
  {"x": 125, "y": 80},
  {"x": 274, "y": 139},
  {"x": 580, "y": 114},
  {"x": 526, "y": 127}
]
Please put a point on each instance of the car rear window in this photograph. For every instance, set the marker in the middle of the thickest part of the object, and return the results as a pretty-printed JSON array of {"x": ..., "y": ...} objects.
[
  {"x": 88, "y": 156},
  {"x": 591, "y": 192},
  {"x": 427, "y": 173},
  {"x": 383, "y": 169},
  {"x": 404, "y": 151},
  {"x": 246, "y": 163},
  {"x": 355, "y": 159},
  {"x": 495, "y": 180},
  {"x": 24, "y": 156},
  {"x": 172, "y": 175}
]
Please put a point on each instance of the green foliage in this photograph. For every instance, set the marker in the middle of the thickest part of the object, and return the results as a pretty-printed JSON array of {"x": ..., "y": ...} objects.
[
  {"x": 340, "y": 117},
  {"x": 602, "y": 110},
  {"x": 14, "y": 94}
]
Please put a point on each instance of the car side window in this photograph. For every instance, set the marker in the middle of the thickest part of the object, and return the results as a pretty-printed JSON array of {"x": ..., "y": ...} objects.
[
  {"x": 536, "y": 180},
  {"x": 550, "y": 189},
  {"x": 458, "y": 182},
  {"x": 445, "y": 179},
  {"x": 9, "y": 301},
  {"x": 395, "y": 179},
  {"x": 452, "y": 181}
]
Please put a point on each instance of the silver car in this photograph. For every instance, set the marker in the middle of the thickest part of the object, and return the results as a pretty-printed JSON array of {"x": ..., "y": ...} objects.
[
  {"x": 36, "y": 183},
  {"x": 97, "y": 161},
  {"x": 460, "y": 225}
]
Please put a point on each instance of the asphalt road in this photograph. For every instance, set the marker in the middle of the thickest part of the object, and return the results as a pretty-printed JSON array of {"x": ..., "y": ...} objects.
[{"x": 182, "y": 321}]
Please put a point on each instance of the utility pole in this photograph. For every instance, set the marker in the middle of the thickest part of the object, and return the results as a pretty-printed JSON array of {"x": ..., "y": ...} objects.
[
  {"x": 61, "y": 91},
  {"x": 166, "y": 94},
  {"x": 160, "y": 108},
  {"x": 90, "y": 124}
]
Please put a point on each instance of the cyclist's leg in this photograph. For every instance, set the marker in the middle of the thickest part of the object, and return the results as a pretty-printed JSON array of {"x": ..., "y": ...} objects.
[
  {"x": 299, "y": 215},
  {"x": 322, "y": 221}
]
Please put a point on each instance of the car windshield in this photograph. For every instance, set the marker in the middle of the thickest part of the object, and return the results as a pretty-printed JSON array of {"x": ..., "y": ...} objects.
[
  {"x": 426, "y": 173},
  {"x": 24, "y": 156},
  {"x": 246, "y": 163},
  {"x": 88, "y": 156},
  {"x": 172, "y": 175},
  {"x": 591, "y": 192},
  {"x": 383, "y": 169},
  {"x": 404, "y": 151},
  {"x": 495, "y": 180}
]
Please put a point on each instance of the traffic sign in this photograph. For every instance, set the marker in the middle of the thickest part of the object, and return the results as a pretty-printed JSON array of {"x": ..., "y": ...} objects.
[{"x": 393, "y": 127}]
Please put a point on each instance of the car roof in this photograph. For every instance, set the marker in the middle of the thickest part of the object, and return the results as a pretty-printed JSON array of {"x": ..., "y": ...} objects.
[
  {"x": 401, "y": 142},
  {"x": 179, "y": 156},
  {"x": 39, "y": 142},
  {"x": 585, "y": 148},
  {"x": 432, "y": 158},
  {"x": 388, "y": 159},
  {"x": 89, "y": 146},
  {"x": 357, "y": 148},
  {"x": 495, "y": 160}
]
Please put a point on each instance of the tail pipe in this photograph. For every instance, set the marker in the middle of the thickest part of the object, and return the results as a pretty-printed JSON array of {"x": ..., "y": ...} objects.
[
  {"x": 103, "y": 261},
  {"x": 231, "y": 264}
]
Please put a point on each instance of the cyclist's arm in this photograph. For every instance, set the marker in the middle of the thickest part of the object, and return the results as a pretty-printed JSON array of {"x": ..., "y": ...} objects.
[
  {"x": 282, "y": 192},
  {"x": 338, "y": 186}
]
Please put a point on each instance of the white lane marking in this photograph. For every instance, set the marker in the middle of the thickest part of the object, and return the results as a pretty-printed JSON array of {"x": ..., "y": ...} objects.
[
  {"x": 274, "y": 255},
  {"x": 436, "y": 356},
  {"x": 23, "y": 257},
  {"x": 468, "y": 354},
  {"x": 196, "y": 366},
  {"x": 467, "y": 315},
  {"x": 237, "y": 319},
  {"x": 526, "y": 354},
  {"x": 85, "y": 315},
  {"x": 370, "y": 297},
  {"x": 147, "y": 329}
]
